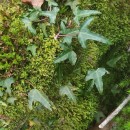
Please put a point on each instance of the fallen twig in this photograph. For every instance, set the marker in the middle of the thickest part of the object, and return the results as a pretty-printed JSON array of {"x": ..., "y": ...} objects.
[{"x": 115, "y": 112}]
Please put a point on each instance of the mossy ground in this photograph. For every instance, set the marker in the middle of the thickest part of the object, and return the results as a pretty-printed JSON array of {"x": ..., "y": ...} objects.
[{"x": 39, "y": 71}]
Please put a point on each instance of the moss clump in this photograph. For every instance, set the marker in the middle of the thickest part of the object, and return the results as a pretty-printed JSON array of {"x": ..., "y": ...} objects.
[
  {"x": 67, "y": 115},
  {"x": 114, "y": 24},
  {"x": 36, "y": 72},
  {"x": 13, "y": 39}
]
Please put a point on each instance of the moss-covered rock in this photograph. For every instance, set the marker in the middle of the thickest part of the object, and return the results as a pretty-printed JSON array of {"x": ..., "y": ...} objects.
[
  {"x": 39, "y": 71},
  {"x": 36, "y": 72}
]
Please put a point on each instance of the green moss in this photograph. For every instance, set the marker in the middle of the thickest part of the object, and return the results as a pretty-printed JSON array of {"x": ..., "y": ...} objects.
[
  {"x": 88, "y": 59},
  {"x": 39, "y": 71},
  {"x": 67, "y": 115},
  {"x": 123, "y": 120},
  {"x": 11, "y": 38}
]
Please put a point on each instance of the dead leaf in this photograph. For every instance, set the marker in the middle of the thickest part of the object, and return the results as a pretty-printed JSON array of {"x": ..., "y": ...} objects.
[{"x": 34, "y": 3}]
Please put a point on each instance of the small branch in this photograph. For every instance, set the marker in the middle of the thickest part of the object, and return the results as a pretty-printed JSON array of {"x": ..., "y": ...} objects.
[{"x": 114, "y": 113}]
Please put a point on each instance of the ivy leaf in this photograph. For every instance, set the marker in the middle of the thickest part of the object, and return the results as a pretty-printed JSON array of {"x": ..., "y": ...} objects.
[
  {"x": 85, "y": 34},
  {"x": 32, "y": 48},
  {"x": 64, "y": 46},
  {"x": 70, "y": 33},
  {"x": 96, "y": 76},
  {"x": 43, "y": 27},
  {"x": 59, "y": 71},
  {"x": 7, "y": 84},
  {"x": 51, "y": 14},
  {"x": 28, "y": 24},
  {"x": 66, "y": 90},
  {"x": 35, "y": 95},
  {"x": 67, "y": 54},
  {"x": 91, "y": 86},
  {"x": 113, "y": 61},
  {"x": 11, "y": 100},
  {"x": 62, "y": 57},
  {"x": 99, "y": 115},
  {"x": 72, "y": 57},
  {"x": 52, "y": 3},
  {"x": 34, "y": 15},
  {"x": 62, "y": 26},
  {"x": 83, "y": 13},
  {"x": 72, "y": 4},
  {"x": 67, "y": 39}
]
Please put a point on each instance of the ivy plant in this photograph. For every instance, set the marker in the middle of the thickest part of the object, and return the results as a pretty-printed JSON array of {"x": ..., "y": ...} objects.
[
  {"x": 79, "y": 31},
  {"x": 7, "y": 84},
  {"x": 83, "y": 34},
  {"x": 35, "y": 95},
  {"x": 67, "y": 90},
  {"x": 96, "y": 77}
]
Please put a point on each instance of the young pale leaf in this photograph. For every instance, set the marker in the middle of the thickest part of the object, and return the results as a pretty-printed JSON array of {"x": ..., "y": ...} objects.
[
  {"x": 28, "y": 24},
  {"x": 7, "y": 84},
  {"x": 51, "y": 14},
  {"x": 72, "y": 57},
  {"x": 32, "y": 48},
  {"x": 11, "y": 100},
  {"x": 85, "y": 34},
  {"x": 35, "y": 95},
  {"x": 66, "y": 90},
  {"x": 113, "y": 61},
  {"x": 83, "y": 13},
  {"x": 96, "y": 76}
]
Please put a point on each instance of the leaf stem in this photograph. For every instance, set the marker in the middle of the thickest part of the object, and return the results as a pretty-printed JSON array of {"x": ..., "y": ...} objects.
[{"x": 58, "y": 35}]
